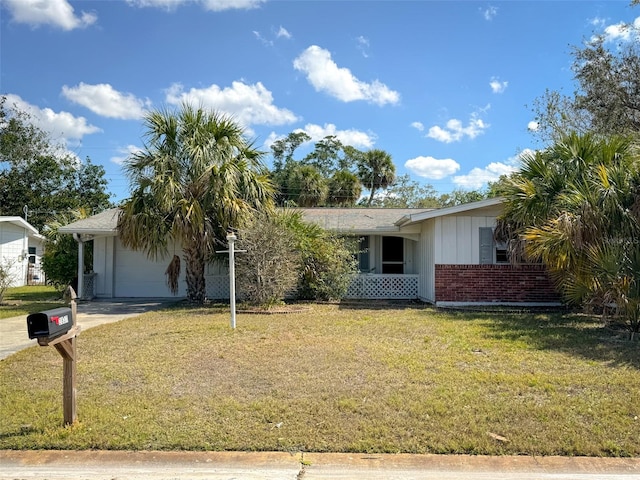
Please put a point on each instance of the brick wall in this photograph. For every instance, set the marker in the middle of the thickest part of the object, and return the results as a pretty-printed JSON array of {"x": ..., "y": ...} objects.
[{"x": 494, "y": 283}]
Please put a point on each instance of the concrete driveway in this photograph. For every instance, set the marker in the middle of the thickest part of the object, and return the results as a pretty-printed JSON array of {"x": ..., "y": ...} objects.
[{"x": 13, "y": 331}]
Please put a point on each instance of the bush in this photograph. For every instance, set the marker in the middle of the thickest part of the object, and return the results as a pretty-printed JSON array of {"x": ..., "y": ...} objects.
[
  {"x": 287, "y": 257},
  {"x": 267, "y": 272}
]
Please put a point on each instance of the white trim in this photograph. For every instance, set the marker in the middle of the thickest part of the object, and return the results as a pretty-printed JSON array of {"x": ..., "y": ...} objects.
[
  {"x": 441, "y": 212},
  {"x": 497, "y": 304}
]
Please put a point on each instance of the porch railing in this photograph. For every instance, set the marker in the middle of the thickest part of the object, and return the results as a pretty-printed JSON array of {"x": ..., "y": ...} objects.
[
  {"x": 383, "y": 287},
  {"x": 365, "y": 286}
]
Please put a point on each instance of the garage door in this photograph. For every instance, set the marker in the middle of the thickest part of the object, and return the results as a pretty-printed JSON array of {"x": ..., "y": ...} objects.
[{"x": 137, "y": 276}]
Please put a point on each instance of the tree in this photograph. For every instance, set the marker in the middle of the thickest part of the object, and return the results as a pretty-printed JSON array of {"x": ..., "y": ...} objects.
[
  {"x": 329, "y": 260},
  {"x": 460, "y": 197},
  {"x": 576, "y": 207},
  {"x": 607, "y": 97},
  {"x": 324, "y": 177},
  {"x": 43, "y": 176},
  {"x": 196, "y": 177},
  {"x": 344, "y": 188},
  {"x": 307, "y": 187},
  {"x": 7, "y": 276},
  {"x": 376, "y": 171},
  {"x": 269, "y": 269},
  {"x": 406, "y": 193},
  {"x": 60, "y": 258}
]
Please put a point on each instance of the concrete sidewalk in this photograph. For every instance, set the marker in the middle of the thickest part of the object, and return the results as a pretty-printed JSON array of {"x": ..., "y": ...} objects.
[
  {"x": 13, "y": 331},
  {"x": 109, "y": 465}
]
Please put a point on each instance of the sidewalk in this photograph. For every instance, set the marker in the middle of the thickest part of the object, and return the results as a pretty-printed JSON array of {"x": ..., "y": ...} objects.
[
  {"x": 108, "y": 465},
  {"x": 13, "y": 331}
]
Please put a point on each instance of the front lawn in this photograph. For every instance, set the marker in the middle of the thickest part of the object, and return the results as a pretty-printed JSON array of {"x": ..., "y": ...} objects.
[
  {"x": 29, "y": 299},
  {"x": 335, "y": 379}
]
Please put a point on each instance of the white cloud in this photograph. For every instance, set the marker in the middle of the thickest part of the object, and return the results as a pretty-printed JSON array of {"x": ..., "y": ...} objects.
[
  {"x": 418, "y": 126},
  {"x": 264, "y": 41},
  {"x": 489, "y": 13},
  {"x": 283, "y": 33},
  {"x": 248, "y": 104},
  {"x": 104, "y": 100},
  {"x": 363, "y": 45},
  {"x": 355, "y": 138},
  {"x": 479, "y": 177},
  {"x": 497, "y": 86},
  {"x": 62, "y": 126},
  {"x": 434, "y": 168},
  {"x": 57, "y": 13},
  {"x": 622, "y": 32},
  {"x": 213, "y": 5},
  {"x": 325, "y": 76},
  {"x": 533, "y": 125},
  {"x": 454, "y": 131},
  {"x": 126, "y": 152}
]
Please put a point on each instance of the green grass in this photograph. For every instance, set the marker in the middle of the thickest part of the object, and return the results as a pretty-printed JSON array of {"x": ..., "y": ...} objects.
[
  {"x": 25, "y": 300},
  {"x": 335, "y": 378}
]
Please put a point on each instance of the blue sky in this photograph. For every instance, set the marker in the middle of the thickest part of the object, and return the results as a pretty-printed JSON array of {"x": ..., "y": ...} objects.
[{"x": 445, "y": 87}]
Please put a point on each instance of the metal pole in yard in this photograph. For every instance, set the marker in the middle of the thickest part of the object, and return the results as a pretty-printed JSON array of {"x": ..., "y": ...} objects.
[{"x": 231, "y": 238}]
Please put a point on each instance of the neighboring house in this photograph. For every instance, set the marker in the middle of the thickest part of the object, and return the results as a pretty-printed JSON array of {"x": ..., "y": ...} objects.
[
  {"x": 443, "y": 256},
  {"x": 21, "y": 248}
]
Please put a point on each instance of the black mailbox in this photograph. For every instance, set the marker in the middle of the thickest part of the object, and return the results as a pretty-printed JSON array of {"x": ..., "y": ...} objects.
[{"x": 50, "y": 323}]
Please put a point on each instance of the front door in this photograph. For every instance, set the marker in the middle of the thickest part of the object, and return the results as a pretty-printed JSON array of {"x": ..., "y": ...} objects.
[{"x": 392, "y": 255}]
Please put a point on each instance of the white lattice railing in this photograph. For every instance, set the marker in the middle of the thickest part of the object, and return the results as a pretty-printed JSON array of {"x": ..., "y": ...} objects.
[
  {"x": 366, "y": 286},
  {"x": 88, "y": 286},
  {"x": 383, "y": 287},
  {"x": 217, "y": 287}
]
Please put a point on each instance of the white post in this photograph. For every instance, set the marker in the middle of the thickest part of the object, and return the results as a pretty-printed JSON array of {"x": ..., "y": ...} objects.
[
  {"x": 78, "y": 239},
  {"x": 231, "y": 238}
]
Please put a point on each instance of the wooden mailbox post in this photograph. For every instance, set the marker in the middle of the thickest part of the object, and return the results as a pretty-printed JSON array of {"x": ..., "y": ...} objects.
[{"x": 66, "y": 346}]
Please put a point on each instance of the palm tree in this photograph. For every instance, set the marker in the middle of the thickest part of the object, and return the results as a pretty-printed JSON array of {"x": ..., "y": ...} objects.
[
  {"x": 376, "y": 171},
  {"x": 344, "y": 188},
  {"x": 576, "y": 207},
  {"x": 196, "y": 177},
  {"x": 308, "y": 188}
]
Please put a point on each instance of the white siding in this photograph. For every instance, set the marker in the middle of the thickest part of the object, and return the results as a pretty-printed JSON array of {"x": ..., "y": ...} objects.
[
  {"x": 103, "y": 266},
  {"x": 426, "y": 268},
  {"x": 14, "y": 246},
  {"x": 137, "y": 276},
  {"x": 457, "y": 241}
]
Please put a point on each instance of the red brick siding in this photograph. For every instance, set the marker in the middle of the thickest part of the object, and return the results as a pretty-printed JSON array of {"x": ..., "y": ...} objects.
[{"x": 494, "y": 283}]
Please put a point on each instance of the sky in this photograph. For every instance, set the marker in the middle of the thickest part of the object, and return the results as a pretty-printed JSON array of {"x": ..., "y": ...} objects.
[{"x": 445, "y": 87}]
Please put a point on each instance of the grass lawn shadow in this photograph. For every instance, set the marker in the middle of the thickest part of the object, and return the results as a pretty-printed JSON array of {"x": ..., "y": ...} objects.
[{"x": 573, "y": 333}]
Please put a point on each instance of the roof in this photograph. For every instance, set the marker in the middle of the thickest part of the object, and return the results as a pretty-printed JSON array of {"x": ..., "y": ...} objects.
[
  {"x": 22, "y": 223},
  {"x": 360, "y": 220},
  {"x": 441, "y": 212},
  {"x": 103, "y": 223},
  {"x": 364, "y": 221}
]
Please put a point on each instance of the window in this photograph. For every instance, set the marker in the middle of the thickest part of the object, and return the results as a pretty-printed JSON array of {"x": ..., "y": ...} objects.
[
  {"x": 392, "y": 255},
  {"x": 363, "y": 255},
  {"x": 490, "y": 251},
  {"x": 32, "y": 254}
]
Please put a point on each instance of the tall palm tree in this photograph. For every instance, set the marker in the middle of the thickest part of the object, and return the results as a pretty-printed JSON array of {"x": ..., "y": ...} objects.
[
  {"x": 376, "y": 171},
  {"x": 344, "y": 188},
  {"x": 197, "y": 176},
  {"x": 576, "y": 207}
]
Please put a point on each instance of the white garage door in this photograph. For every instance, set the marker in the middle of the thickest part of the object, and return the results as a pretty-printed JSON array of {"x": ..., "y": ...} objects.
[{"x": 137, "y": 276}]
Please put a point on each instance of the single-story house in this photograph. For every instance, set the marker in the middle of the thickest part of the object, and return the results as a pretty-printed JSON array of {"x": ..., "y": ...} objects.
[
  {"x": 21, "y": 249},
  {"x": 444, "y": 256}
]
